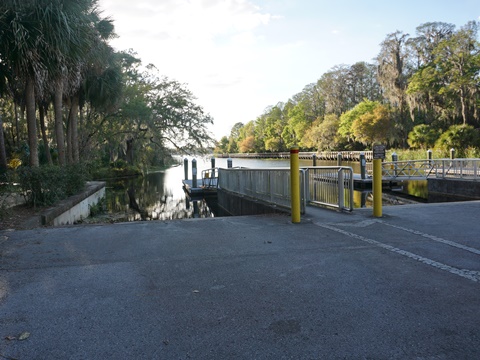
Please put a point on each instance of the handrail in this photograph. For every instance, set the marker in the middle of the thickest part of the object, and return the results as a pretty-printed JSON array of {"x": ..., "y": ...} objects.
[
  {"x": 210, "y": 178},
  {"x": 466, "y": 169}
]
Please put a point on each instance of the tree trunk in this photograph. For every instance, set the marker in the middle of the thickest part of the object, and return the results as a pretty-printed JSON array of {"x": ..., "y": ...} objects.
[
  {"x": 69, "y": 136},
  {"x": 129, "y": 153},
  {"x": 464, "y": 107},
  {"x": 16, "y": 139},
  {"x": 73, "y": 126},
  {"x": 44, "y": 135},
  {"x": 58, "y": 99},
  {"x": 3, "y": 152},
  {"x": 31, "y": 123}
]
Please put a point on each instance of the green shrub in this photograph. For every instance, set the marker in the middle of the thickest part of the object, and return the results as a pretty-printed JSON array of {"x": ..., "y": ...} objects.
[
  {"x": 423, "y": 137},
  {"x": 45, "y": 185},
  {"x": 98, "y": 208},
  {"x": 460, "y": 138}
]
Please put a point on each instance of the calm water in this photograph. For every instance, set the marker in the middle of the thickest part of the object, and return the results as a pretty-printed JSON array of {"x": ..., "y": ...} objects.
[{"x": 159, "y": 195}]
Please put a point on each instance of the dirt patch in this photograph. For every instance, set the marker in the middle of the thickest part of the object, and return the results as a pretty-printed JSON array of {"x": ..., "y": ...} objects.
[{"x": 19, "y": 217}]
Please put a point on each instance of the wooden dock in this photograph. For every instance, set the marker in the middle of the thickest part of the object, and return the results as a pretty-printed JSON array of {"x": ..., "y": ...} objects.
[
  {"x": 204, "y": 188},
  {"x": 367, "y": 183}
]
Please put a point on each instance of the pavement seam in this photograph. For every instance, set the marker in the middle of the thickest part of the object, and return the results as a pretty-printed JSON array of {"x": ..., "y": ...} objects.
[{"x": 465, "y": 273}]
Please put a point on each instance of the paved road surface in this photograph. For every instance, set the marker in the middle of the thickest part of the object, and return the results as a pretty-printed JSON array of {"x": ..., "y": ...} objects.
[{"x": 336, "y": 286}]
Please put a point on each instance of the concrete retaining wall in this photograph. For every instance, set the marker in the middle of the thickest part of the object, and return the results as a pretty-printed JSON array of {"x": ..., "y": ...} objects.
[
  {"x": 238, "y": 205},
  {"x": 76, "y": 207},
  {"x": 443, "y": 190}
]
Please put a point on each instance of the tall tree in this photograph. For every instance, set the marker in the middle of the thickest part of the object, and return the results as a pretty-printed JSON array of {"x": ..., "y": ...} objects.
[
  {"x": 458, "y": 62},
  {"x": 23, "y": 51},
  {"x": 3, "y": 153},
  {"x": 448, "y": 85},
  {"x": 394, "y": 70},
  {"x": 41, "y": 40},
  {"x": 424, "y": 101}
]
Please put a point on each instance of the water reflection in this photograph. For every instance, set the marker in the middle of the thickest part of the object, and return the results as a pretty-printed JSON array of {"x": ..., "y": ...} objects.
[{"x": 155, "y": 196}]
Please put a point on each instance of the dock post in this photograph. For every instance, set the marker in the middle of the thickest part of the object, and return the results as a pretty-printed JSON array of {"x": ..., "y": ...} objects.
[
  {"x": 452, "y": 153},
  {"x": 377, "y": 187},
  {"x": 314, "y": 159},
  {"x": 395, "y": 166},
  {"x": 295, "y": 184},
  {"x": 363, "y": 165},
  {"x": 185, "y": 168},
  {"x": 339, "y": 159},
  {"x": 229, "y": 163},
  {"x": 194, "y": 173},
  {"x": 212, "y": 161}
]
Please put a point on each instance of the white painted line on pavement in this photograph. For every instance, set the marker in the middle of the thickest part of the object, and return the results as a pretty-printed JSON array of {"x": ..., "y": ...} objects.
[
  {"x": 467, "y": 274},
  {"x": 434, "y": 238}
]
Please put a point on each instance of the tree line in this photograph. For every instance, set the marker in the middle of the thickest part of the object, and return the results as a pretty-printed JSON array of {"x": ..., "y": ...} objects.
[
  {"x": 420, "y": 92},
  {"x": 66, "y": 96}
]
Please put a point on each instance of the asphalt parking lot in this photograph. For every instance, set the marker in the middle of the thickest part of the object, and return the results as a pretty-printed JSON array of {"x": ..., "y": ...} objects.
[{"x": 335, "y": 286}]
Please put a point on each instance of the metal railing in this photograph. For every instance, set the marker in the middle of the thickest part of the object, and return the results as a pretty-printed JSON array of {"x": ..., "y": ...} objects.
[
  {"x": 269, "y": 185},
  {"x": 210, "y": 178},
  {"x": 330, "y": 186},
  {"x": 466, "y": 169}
]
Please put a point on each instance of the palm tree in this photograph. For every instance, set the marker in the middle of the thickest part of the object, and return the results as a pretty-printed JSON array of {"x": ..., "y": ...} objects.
[
  {"x": 97, "y": 70},
  {"x": 21, "y": 49},
  {"x": 42, "y": 40}
]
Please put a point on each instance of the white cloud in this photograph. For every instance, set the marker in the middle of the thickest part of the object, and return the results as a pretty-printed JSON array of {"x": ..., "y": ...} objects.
[{"x": 212, "y": 45}]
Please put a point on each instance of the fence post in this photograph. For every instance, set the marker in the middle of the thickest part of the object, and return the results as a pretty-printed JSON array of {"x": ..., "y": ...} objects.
[
  {"x": 341, "y": 189},
  {"x": 339, "y": 159},
  {"x": 314, "y": 158},
  {"x": 295, "y": 184}
]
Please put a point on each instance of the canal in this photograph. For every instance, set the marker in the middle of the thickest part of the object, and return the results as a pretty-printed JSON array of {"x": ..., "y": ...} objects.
[{"x": 159, "y": 195}]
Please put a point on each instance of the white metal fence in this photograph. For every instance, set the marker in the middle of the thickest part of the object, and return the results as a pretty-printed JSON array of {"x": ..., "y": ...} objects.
[
  {"x": 323, "y": 185},
  {"x": 269, "y": 185}
]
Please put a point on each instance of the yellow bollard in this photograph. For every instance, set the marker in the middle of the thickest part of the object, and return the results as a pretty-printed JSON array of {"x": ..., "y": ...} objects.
[
  {"x": 377, "y": 187},
  {"x": 295, "y": 184}
]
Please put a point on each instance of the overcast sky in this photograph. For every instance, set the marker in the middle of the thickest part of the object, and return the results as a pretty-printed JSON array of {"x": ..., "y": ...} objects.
[{"x": 240, "y": 56}]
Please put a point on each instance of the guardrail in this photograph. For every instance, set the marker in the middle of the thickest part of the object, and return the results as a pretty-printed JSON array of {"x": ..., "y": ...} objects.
[
  {"x": 466, "y": 169},
  {"x": 330, "y": 186}
]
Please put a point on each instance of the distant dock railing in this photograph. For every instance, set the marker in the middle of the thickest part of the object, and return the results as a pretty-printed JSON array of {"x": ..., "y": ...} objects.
[
  {"x": 320, "y": 155},
  {"x": 466, "y": 169}
]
